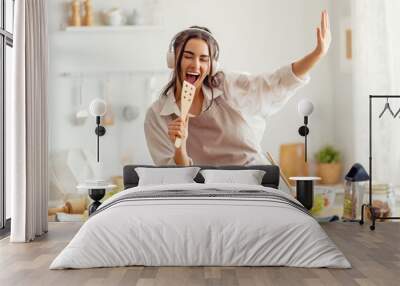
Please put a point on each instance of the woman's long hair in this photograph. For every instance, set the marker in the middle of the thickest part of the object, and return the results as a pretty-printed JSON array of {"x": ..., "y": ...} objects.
[{"x": 179, "y": 45}]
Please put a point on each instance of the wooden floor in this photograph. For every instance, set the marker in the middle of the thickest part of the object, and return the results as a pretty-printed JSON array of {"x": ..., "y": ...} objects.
[{"x": 375, "y": 257}]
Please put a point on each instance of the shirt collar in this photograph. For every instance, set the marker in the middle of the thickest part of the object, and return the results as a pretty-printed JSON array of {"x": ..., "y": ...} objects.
[{"x": 169, "y": 105}]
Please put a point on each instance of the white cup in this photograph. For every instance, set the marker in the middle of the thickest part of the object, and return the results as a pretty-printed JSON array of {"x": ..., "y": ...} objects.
[{"x": 114, "y": 17}]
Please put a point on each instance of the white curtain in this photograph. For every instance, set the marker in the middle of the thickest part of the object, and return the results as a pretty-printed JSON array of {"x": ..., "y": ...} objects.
[
  {"x": 376, "y": 66},
  {"x": 26, "y": 121}
]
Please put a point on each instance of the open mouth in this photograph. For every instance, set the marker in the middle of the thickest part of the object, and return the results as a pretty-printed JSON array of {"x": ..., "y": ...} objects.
[{"x": 191, "y": 77}]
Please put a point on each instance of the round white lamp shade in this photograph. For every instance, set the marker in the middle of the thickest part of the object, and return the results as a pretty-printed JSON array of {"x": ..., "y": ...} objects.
[
  {"x": 305, "y": 107},
  {"x": 98, "y": 107}
]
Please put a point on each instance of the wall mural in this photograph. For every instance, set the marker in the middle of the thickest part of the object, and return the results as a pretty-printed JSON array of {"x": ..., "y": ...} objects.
[{"x": 114, "y": 102}]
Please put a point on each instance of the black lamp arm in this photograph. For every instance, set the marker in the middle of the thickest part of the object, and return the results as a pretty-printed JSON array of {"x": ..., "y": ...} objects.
[
  {"x": 100, "y": 131},
  {"x": 303, "y": 131}
]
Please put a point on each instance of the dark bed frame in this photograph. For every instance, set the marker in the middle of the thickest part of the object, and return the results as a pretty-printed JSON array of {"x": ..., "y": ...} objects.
[{"x": 270, "y": 179}]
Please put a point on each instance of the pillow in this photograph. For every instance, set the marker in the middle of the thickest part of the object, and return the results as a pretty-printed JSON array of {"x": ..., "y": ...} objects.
[
  {"x": 248, "y": 177},
  {"x": 163, "y": 176}
]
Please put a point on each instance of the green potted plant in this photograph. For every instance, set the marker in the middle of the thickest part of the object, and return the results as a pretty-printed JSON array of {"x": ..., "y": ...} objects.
[{"x": 329, "y": 166}]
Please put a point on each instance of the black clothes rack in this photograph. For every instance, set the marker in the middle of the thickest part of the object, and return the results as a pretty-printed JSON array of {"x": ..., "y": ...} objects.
[{"x": 369, "y": 205}]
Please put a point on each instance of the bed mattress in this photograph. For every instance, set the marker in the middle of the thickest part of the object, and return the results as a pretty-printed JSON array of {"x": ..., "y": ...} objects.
[{"x": 201, "y": 225}]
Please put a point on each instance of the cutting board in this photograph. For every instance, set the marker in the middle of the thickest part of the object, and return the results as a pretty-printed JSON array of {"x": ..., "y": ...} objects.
[{"x": 291, "y": 160}]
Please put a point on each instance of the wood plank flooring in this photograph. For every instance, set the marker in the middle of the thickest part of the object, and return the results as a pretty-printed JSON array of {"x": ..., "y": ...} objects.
[{"x": 375, "y": 257}]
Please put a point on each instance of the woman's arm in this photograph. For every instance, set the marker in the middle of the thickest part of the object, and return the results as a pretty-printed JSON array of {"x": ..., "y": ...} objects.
[
  {"x": 178, "y": 128},
  {"x": 181, "y": 157},
  {"x": 160, "y": 144},
  {"x": 271, "y": 91},
  {"x": 303, "y": 66}
]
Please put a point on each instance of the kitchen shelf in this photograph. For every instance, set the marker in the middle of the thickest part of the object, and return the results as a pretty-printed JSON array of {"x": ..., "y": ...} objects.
[
  {"x": 122, "y": 28},
  {"x": 112, "y": 73}
]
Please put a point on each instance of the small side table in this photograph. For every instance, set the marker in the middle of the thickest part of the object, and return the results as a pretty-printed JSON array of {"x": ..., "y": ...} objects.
[
  {"x": 305, "y": 190},
  {"x": 96, "y": 193}
]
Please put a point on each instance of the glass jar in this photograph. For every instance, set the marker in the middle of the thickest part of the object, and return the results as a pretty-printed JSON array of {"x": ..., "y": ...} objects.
[
  {"x": 383, "y": 201},
  {"x": 353, "y": 198}
]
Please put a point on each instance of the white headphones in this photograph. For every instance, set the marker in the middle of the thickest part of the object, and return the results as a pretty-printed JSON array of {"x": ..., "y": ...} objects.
[{"x": 171, "y": 53}]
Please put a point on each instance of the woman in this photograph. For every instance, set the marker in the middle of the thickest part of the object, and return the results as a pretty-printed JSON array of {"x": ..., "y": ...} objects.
[{"x": 226, "y": 121}]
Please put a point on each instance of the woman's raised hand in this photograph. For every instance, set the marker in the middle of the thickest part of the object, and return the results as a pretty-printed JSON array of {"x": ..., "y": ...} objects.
[
  {"x": 178, "y": 128},
  {"x": 304, "y": 65},
  {"x": 323, "y": 35}
]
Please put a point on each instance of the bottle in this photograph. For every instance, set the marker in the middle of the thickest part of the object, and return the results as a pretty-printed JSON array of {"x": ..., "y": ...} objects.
[
  {"x": 354, "y": 191},
  {"x": 353, "y": 198},
  {"x": 87, "y": 19},
  {"x": 75, "y": 19}
]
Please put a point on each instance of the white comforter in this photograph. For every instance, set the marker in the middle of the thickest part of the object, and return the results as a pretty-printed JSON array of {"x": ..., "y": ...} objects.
[{"x": 200, "y": 231}]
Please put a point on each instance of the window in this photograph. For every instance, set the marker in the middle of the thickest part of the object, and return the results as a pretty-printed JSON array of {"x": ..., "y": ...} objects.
[
  {"x": 6, "y": 44},
  {"x": 9, "y": 15}
]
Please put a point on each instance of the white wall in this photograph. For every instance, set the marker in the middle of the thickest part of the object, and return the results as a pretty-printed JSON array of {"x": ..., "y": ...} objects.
[
  {"x": 343, "y": 122},
  {"x": 255, "y": 36}
]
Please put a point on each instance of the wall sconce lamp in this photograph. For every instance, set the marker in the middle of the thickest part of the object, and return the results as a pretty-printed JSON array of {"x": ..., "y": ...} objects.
[
  {"x": 97, "y": 109},
  {"x": 305, "y": 108}
]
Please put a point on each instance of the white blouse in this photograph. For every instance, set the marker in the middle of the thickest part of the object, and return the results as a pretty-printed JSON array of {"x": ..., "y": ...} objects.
[{"x": 231, "y": 130}]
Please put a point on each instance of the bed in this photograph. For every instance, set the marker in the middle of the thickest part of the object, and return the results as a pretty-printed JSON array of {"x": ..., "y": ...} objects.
[{"x": 201, "y": 224}]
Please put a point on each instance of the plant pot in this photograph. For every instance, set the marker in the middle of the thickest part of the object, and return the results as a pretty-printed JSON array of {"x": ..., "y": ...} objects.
[{"x": 329, "y": 173}]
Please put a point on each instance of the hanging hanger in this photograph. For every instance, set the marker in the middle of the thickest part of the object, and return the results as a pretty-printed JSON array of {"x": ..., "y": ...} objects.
[
  {"x": 397, "y": 113},
  {"x": 387, "y": 107}
]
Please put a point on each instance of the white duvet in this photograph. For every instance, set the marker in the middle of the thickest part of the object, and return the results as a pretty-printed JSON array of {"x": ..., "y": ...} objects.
[{"x": 200, "y": 231}]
